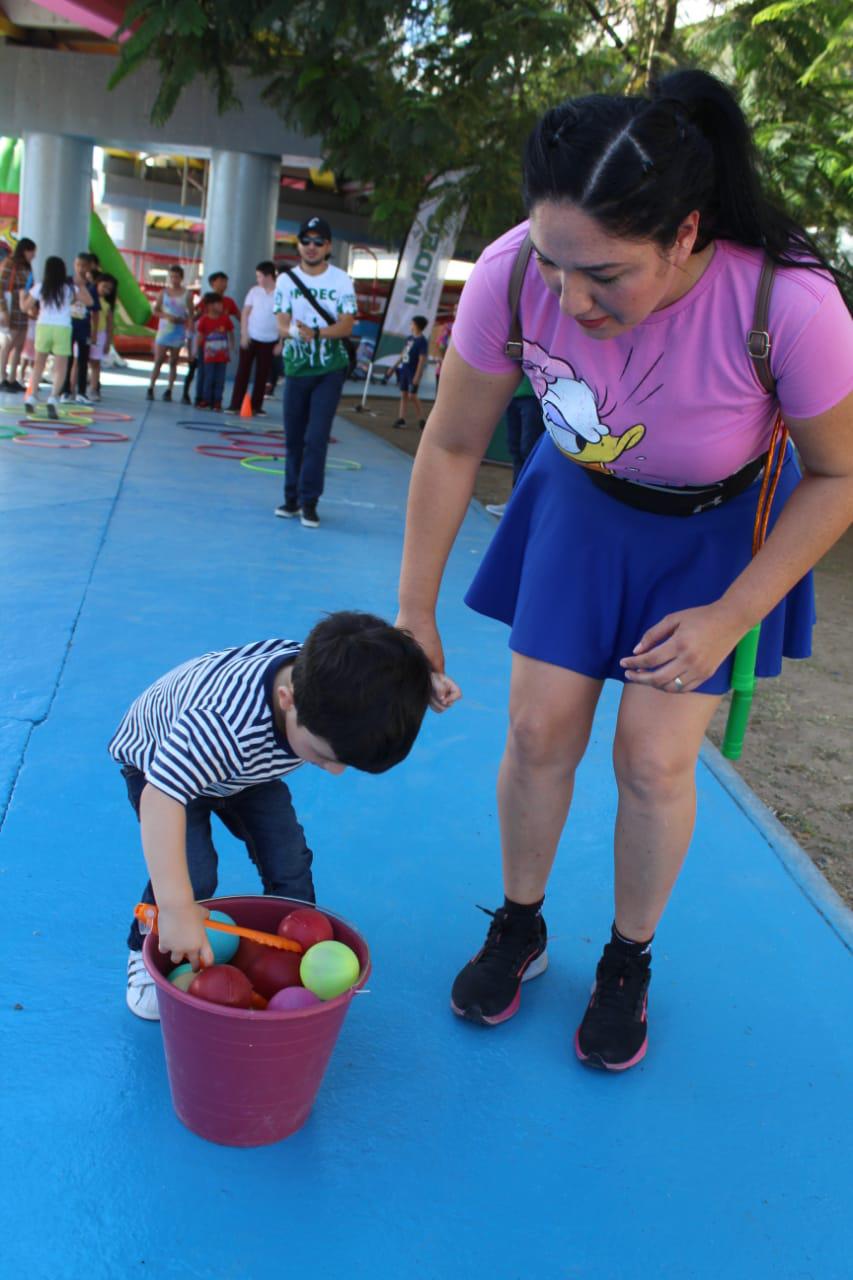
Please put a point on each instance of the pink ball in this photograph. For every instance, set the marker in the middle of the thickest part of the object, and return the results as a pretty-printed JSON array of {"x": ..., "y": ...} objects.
[{"x": 293, "y": 998}]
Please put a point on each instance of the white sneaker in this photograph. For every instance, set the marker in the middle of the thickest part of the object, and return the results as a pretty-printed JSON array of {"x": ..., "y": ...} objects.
[
  {"x": 66, "y": 399},
  {"x": 141, "y": 990},
  {"x": 496, "y": 508},
  {"x": 80, "y": 399}
]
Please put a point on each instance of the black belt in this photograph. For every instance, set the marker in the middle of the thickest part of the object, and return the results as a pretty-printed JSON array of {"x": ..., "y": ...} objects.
[{"x": 677, "y": 502}]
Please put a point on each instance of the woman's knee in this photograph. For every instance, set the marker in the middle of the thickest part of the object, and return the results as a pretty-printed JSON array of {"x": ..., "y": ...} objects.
[
  {"x": 653, "y": 768},
  {"x": 540, "y": 737}
]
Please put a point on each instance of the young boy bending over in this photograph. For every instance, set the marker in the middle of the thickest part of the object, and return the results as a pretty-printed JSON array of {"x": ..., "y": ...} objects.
[{"x": 216, "y": 734}]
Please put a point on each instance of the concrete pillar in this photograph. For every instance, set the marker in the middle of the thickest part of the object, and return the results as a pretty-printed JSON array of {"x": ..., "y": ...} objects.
[
  {"x": 242, "y": 203},
  {"x": 126, "y": 226},
  {"x": 56, "y": 196}
]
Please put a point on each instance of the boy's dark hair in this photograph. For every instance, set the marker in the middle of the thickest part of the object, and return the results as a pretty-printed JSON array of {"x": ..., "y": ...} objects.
[
  {"x": 266, "y": 268},
  {"x": 217, "y": 275},
  {"x": 54, "y": 281},
  {"x": 210, "y": 298},
  {"x": 176, "y": 267},
  {"x": 420, "y": 321},
  {"x": 364, "y": 687}
]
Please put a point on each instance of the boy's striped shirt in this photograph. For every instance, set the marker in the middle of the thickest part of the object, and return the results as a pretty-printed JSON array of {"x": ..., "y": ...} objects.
[{"x": 206, "y": 728}]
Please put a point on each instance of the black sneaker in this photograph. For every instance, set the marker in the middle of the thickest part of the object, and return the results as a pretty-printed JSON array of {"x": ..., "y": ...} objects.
[
  {"x": 149, "y": 394},
  {"x": 287, "y": 510},
  {"x": 185, "y": 399},
  {"x": 488, "y": 989},
  {"x": 309, "y": 517},
  {"x": 399, "y": 424},
  {"x": 614, "y": 1030},
  {"x": 167, "y": 394}
]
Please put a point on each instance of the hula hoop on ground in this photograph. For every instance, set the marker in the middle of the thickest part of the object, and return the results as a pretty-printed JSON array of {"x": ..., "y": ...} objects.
[
  {"x": 232, "y": 455},
  {"x": 40, "y": 420},
  {"x": 247, "y": 442},
  {"x": 109, "y": 415},
  {"x": 105, "y": 437},
  {"x": 58, "y": 428},
  {"x": 63, "y": 411},
  {"x": 63, "y": 442},
  {"x": 251, "y": 463},
  {"x": 332, "y": 464},
  {"x": 9, "y": 433},
  {"x": 215, "y": 428}
]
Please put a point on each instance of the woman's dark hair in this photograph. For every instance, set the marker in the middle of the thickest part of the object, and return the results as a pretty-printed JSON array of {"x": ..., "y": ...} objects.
[
  {"x": 54, "y": 282},
  {"x": 363, "y": 686},
  {"x": 640, "y": 165},
  {"x": 23, "y": 246},
  {"x": 105, "y": 278}
]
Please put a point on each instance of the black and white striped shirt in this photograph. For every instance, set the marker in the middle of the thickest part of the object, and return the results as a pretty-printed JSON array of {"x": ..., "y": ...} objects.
[{"x": 206, "y": 728}]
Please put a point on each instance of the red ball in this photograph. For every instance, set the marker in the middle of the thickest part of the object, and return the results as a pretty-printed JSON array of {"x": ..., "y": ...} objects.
[
  {"x": 306, "y": 926},
  {"x": 222, "y": 984},
  {"x": 273, "y": 970},
  {"x": 247, "y": 953}
]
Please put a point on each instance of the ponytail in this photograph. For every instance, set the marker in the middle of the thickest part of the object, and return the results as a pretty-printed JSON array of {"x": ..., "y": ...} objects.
[{"x": 639, "y": 166}]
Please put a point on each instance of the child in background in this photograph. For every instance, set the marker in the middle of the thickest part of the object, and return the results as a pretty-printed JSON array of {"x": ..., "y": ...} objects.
[
  {"x": 55, "y": 295},
  {"x": 172, "y": 309},
  {"x": 217, "y": 734},
  {"x": 107, "y": 287},
  {"x": 214, "y": 346},
  {"x": 410, "y": 366},
  {"x": 84, "y": 330},
  {"x": 217, "y": 282}
]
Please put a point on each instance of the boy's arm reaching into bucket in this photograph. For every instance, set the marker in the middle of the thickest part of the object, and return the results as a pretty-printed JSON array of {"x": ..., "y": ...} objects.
[{"x": 163, "y": 822}]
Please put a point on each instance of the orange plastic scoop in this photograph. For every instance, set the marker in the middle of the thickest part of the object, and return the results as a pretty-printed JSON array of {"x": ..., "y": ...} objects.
[{"x": 146, "y": 914}]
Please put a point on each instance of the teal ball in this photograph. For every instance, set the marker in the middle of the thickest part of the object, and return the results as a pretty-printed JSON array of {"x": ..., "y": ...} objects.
[
  {"x": 224, "y": 945},
  {"x": 182, "y": 976}
]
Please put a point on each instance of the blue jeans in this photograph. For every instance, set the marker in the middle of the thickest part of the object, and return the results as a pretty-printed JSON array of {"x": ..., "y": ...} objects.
[
  {"x": 524, "y": 426},
  {"x": 211, "y": 381},
  {"x": 262, "y": 817},
  {"x": 310, "y": 401}
]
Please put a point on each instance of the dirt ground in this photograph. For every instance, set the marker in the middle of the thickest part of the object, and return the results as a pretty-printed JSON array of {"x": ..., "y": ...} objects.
[{"x": 797, "y": 754}]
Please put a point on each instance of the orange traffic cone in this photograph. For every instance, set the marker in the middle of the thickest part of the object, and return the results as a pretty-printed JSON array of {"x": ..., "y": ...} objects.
[{"x": 246, "y": 406}]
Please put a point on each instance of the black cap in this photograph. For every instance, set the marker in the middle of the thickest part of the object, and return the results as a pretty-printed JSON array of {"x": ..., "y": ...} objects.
[{"x": 316, "y": 227}]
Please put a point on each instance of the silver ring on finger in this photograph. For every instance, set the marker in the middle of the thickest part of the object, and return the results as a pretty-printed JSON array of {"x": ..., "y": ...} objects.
[{"x": 679, "y": 684}]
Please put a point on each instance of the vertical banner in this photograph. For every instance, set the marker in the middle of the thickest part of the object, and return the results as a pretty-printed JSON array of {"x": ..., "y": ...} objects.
[{"x": 421, "y": 269}]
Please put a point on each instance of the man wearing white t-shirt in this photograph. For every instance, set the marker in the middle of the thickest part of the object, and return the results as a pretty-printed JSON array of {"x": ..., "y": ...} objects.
[
  {"x": 315, "y": 364},
  {"x": 259, "y": 339}
]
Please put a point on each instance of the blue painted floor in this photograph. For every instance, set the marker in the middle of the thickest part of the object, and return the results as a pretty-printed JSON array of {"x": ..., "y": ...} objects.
[{"x": 436, "y": 1149}]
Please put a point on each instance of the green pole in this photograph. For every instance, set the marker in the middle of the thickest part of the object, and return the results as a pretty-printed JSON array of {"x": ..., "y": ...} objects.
[{"x": 743, "y": 687}]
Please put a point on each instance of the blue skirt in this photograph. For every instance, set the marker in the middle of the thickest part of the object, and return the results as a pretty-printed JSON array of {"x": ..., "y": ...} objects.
[{"x": 580, "y": 576}]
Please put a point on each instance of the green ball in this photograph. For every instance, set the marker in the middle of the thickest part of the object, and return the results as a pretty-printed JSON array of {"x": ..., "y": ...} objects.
[
  {"x": 328, "y": 969},
  {"x": 182, "y": 976}
]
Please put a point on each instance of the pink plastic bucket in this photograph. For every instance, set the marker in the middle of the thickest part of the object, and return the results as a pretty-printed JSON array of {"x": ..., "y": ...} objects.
[{"x": 245, "y": 1077}]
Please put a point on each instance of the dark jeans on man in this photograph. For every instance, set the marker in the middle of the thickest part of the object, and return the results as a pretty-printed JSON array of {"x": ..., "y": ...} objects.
[
  {"x": 211, "y": 381},
  {"x": 524, "y": 426},
  {"x": 80, "y": 348},
  {"x": 310, "y": 401},
  {"x": 262, "y": 817},
  {"x": 259, "y": 354}
]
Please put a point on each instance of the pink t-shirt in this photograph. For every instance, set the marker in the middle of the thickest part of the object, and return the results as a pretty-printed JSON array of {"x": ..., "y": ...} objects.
[{"x": 674, "y": 400}]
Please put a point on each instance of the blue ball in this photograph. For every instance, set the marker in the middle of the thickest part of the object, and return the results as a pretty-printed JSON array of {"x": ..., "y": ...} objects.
[{"x": 224, "y": 944}]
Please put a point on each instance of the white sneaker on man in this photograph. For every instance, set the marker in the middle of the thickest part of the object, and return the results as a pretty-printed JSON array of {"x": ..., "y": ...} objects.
[{"x": 141, "y": 990}]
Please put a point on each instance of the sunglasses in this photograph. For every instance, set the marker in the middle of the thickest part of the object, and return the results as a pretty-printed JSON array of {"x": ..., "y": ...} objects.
[{"x": 317, "y": 240}]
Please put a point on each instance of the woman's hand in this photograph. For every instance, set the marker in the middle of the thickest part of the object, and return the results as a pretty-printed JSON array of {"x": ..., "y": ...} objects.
[
  {"x": 181, "y": 931},
  {"x": 444, "y": 690},
  {"x": 687, "y": 646}
]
